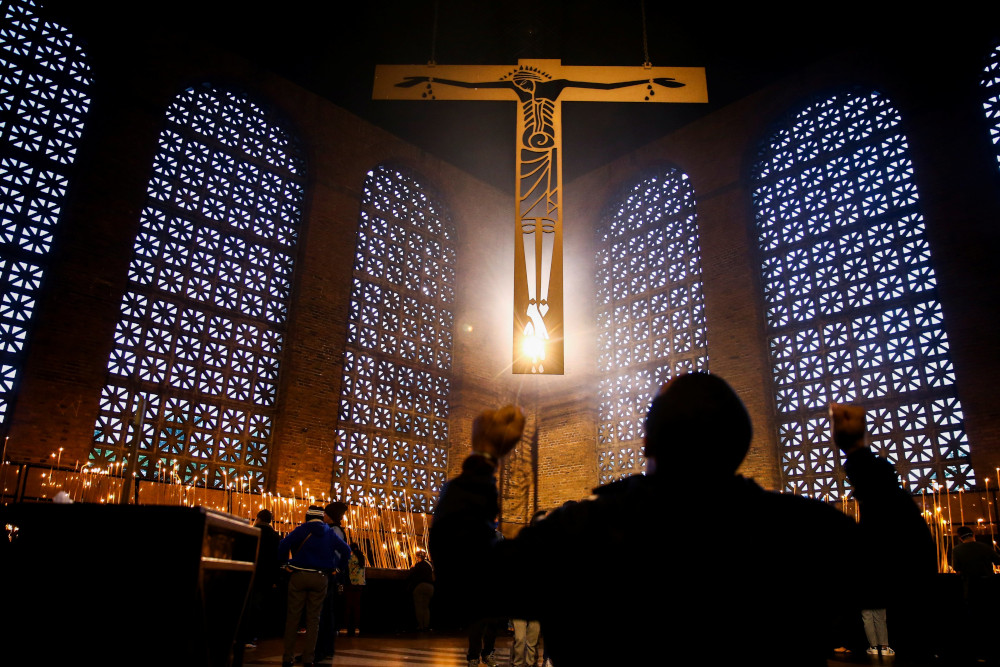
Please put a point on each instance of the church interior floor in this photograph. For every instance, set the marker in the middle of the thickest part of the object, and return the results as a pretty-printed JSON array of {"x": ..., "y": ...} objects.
[{"x": 448, "y": 650}]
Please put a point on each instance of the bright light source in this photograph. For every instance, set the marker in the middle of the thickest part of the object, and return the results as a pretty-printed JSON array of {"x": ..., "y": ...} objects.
[{"x": 533, "y": 347}]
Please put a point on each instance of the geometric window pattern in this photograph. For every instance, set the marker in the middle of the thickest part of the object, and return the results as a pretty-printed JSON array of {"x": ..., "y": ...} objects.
[
  {"x": 44, "y": 80},
  {"x": 851, "y": 302},
  {"x": 991, "y": 104},
  {"x": 203, "y": 318},
  {"x": 393, "y": 433},
  {"x": 650, "y": 312}
]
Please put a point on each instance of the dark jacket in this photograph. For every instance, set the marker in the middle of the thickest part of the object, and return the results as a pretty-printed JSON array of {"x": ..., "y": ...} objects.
[{"x": 266, "y": 574}]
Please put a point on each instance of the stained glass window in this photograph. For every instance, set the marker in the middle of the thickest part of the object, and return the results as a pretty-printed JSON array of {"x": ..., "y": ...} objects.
[
  {"x": 44, "y": 82},
  {"x": 991, "y": 88},
  {"x": 650, "y": 311},
  {"x": 851, "y": 299},
  {"x": 393, "y": 434},
  {"x": 198, "y": 347}
]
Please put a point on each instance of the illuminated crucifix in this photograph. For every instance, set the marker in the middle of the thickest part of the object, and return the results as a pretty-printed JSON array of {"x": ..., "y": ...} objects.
[{"x": 540, "y": 86}]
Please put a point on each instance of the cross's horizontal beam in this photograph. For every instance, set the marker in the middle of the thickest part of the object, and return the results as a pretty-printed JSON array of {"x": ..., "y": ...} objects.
[{"x": 416, "y": 82}]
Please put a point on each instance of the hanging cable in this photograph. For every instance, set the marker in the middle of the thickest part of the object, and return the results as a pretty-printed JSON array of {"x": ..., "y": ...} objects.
[
  {"x": 645, "y": 42},
  {"x": 434, "y": 35}
]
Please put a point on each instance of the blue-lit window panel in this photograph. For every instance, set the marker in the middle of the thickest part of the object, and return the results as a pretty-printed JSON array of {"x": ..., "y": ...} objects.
[
  {"x": 991, "y": 96},
  {"x": 203, "y": 318},
  {"x": 650, "y": 311},
  {"x": 851, "y": 299},
  {"x": 396, "y": 388},
  {"x": 44, "y": 99}
]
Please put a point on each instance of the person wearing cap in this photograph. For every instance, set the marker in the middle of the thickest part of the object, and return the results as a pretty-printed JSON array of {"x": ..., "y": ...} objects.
[
  {"x": 768, "y": 573},
  {"x": 971, "y": 558},
  {"x": 316, "y": 552}
]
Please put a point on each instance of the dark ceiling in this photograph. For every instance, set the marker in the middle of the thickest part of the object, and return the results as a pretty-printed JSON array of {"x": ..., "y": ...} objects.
[{"x": 331, "y": 47}]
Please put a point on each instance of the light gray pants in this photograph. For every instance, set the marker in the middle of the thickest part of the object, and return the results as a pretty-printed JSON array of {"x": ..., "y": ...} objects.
[{"x": 875, "y": 628}]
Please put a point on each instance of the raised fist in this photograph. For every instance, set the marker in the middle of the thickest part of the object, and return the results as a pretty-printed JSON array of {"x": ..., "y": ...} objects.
[
  {"x": 495, "y": 432},
  {"x": 848, "y": 423}
]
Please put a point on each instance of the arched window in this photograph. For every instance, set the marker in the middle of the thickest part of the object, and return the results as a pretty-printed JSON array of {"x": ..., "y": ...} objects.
[
  {"x": 44, "y": 79},
  {"x": 650, "y": 311},
  {"x": 991, "y": 96},
  {"x": 197, "y": 350},
  {"x": 851, "y": 300},
  {"x": 394, "y": 404}
]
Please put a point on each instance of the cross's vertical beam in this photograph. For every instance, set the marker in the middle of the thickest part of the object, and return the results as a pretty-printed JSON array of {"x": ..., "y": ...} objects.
[{"x": 538, "y": 247}]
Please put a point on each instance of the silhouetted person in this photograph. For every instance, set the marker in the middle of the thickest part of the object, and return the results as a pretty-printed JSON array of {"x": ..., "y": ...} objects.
[
  {"x": 333, "y": 516},
  {"x": 420, "y": 582},
  {"x": 974, "y": 561},
  {"x": 971, "y": 558},
  {"x": 771, "y": 584},
  {"x": 259, "y": 614},
  {"x": 265, "y": 579}
]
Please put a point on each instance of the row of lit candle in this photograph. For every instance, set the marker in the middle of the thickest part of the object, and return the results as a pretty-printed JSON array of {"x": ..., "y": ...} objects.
[{"x": 390, "y": 536}]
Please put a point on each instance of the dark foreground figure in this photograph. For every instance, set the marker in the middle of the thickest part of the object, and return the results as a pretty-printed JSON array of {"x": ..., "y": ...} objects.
[{"x": 621, "y": 578}]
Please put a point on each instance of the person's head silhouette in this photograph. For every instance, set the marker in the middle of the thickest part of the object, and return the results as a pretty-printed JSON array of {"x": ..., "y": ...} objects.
[{"x": 697, "y": 419}]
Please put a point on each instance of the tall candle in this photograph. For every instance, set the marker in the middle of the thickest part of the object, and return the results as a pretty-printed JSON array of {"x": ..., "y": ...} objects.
[
  {"x": 989, "y": 513},
  {"x": 950, "y": 522}
]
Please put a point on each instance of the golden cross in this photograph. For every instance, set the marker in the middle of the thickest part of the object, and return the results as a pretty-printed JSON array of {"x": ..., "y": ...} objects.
[{"x": 540, "y": 86}]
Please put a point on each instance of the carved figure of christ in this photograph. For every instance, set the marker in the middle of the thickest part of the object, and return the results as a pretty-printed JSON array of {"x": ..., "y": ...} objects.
[{"x": 538, "y": 294}]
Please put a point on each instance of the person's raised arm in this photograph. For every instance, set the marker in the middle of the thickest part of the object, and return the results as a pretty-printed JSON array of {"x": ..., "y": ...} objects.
[
  {"x": 463, "y": 531},
  {"x": 872, "y": 476},
  {"x": 899, "y": 544}
]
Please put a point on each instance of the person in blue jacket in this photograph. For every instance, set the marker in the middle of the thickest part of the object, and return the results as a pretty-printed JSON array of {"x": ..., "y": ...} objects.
[{"x": 316, "y": 553}]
